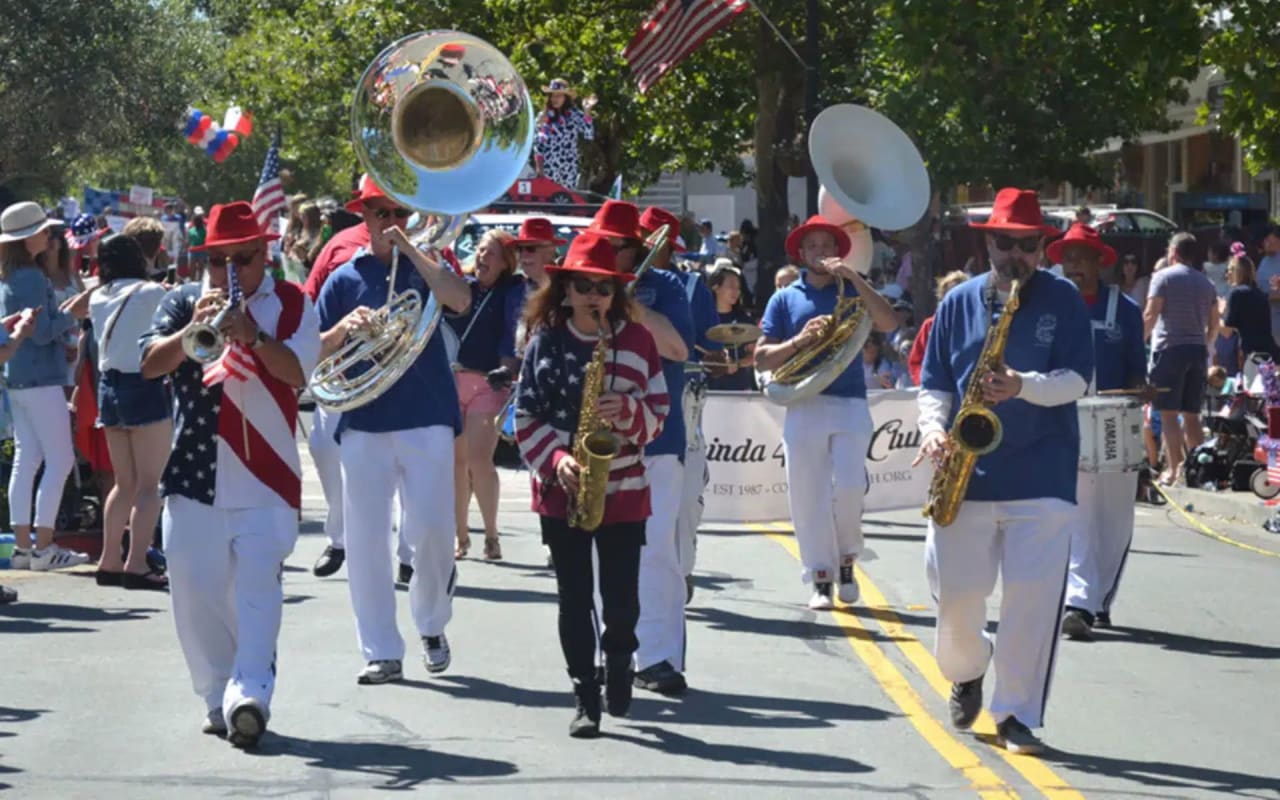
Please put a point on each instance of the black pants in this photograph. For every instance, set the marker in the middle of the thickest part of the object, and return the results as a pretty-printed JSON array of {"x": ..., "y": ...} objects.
[{"x": 618, "y": 547}]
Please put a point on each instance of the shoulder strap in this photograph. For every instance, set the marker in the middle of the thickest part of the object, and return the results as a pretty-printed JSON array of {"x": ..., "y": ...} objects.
[
  {"x": 1112, "y": 302},
  {"x": 483, "y": 302},
  {"x": 111, "y": 321},
  {"x": 690, "y": 285}
]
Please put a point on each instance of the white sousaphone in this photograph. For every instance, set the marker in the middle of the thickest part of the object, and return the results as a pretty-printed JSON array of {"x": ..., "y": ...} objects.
[{"x": 871, "y": 176}]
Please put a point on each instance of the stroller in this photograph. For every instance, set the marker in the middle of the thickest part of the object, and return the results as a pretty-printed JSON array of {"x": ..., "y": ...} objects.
[{"x": 1228, "y": 460}]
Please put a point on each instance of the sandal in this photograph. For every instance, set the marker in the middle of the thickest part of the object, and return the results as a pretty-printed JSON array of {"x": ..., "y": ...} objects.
[
  {"x": 107, "y": 578},
  {"x": 464, "y": 545},
  {"x": 492, "y": 549},
  {"x": 148, "y": 581}
]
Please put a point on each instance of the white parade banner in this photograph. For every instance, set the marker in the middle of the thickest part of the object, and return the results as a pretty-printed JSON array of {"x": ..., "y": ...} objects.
[
  {"x": 141, "y": 195},
  {"x": 745, "y": 458}
]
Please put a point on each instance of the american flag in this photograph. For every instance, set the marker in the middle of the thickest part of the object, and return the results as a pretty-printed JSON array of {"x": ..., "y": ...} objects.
[
  {"x": 268, "y": 199},
  {"x": 1273, "y": 467},
  {"x": 236, "y": 361},
  {"x": 674, "y": 30}
]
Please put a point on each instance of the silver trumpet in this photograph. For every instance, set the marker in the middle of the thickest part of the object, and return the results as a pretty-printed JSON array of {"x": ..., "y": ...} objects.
[{"x": 204, "y": 342}]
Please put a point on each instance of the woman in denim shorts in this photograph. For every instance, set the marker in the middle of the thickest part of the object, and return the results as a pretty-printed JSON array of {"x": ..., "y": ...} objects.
[{"x": 133, "y": 411}]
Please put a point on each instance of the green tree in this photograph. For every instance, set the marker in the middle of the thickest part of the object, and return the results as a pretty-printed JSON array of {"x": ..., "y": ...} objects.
[
  {"x": 81, "y": 81},
  {"x": 1243, "y": 46}
]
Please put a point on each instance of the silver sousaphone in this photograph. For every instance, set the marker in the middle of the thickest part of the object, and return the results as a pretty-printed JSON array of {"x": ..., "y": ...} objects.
[{"x": 444, "y": 124}]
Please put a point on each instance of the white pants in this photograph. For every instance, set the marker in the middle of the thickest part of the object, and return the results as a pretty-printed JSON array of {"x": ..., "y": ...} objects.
[
  {"x": 662, "y": 591},
  {"x": 1100, "y": 536},
  {"x": 419, "y": 464},
  {"x": 690, "y": 517},
  {"x": 41, "y": 435},
  {"x": 825, "y": 443},
  {"x": 1026, "y": 542},
  {"x": 327, "y": 456},
  {"x": 225, "y": 569}
]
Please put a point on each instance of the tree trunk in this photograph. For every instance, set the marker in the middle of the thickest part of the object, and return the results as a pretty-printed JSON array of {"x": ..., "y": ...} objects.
[
  {"x": 920, "y": 240},
  {"x": 775, "y": 132}
]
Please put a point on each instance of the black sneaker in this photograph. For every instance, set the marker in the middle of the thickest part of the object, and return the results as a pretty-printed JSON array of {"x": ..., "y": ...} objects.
[
  {"x": 661, "y": 678},
  {"x": 8, "y": 596},
  {"x": 688, "y": 589},
  {"x": 1102, "y": 620},
  {"x": 406, "y": 574},
  {"x": 965, "y": 703},
  {"x": 586, "y": 717},
  {"x": 617, "y": 688},
  {"x": 1015, "y": 737},
  {"x": 1077, "y": 625},
  {"x": 329, "y": 562}
]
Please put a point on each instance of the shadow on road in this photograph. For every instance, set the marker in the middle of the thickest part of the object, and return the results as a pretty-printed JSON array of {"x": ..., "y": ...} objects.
[
  {"x": 504, "y": 595},
  {"x": 10, "y": 716},
  {"x": 1195, "y": 645},
  {"x": 668, "y": 741},
  {"x": 1201, "y": 780},
  {"x": 805, "y": 629},
  {"x": 401, "y": 766},
  {"x": 45, "y": 617}
]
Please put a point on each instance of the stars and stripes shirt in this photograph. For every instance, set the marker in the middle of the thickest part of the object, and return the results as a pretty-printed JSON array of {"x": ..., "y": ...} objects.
[
  {"x": 549, "y": 396},
  {"x": 234, "y": 441}
]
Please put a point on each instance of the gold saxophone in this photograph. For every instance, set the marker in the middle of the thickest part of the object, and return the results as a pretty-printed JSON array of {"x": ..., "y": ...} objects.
[
  {"x": 976, "y": 429},
  {"x": 594, "y": 444}
]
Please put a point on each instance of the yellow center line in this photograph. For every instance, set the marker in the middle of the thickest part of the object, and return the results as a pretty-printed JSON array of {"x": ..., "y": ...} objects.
[
  {"x": 1036, "y": 772},
  {"x": 1210, "y": 532},
  {"x": 981, "y": 777}
]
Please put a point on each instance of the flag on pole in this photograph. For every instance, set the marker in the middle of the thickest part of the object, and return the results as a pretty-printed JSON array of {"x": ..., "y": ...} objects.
[
  {"x": 236, "y": 361},
  {"x": 268, "y": 199},
  {"x": 672, "y": 31},
  {"x": 615, "y": 191}
]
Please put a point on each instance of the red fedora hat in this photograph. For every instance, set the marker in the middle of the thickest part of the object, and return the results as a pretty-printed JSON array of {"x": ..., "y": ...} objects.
[
  {"x": 1016, "y": 211},
  {"x": 617, "y": 218},
  {"x": 1081, "y": 234},
  {"x": 368, "y": 190},
  {"x": 816, "y": 223},
  {"x": 536, "y": 230},
  {"x": 233, "y": 223},
  {"x": 591, "y": 254},
  {"x": 654, "y": 218}
]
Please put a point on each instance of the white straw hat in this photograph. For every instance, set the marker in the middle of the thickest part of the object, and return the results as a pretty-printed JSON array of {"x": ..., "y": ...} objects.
[{"x": 21, "y": 220}]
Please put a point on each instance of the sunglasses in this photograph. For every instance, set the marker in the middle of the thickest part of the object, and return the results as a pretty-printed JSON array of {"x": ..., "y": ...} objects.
[
  {"x": 528, "y": 248},
  {"x": 586, "y": 286},
  {"x": 398, "y": 213},
  {"x": 1006, "y": 243},
  {"x": 239, "y": 259}
]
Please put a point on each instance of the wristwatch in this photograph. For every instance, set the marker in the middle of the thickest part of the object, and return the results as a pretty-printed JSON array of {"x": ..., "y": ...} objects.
[{"x": 260, "y": 339}]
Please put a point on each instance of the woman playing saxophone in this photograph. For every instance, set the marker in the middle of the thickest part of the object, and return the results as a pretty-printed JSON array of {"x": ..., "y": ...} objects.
[{"x": 590, "y": 368}]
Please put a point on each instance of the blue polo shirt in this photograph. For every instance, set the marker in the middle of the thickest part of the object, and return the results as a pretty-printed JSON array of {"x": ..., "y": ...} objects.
[
  {"x": 664, "y": 292},
  {"x": 702, "y": 304},
  {"x": 425, "y": 395},
  {"x": 1040, "y": 451},
  {"x": 789, "y": 310},
  {"x": 1119, "y": 354},
  {"x": 492, "y": 333}
]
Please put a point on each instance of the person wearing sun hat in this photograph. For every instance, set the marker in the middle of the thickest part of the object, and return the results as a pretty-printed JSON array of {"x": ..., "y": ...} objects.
[
  {"x": 702, "y": 306},
  {"x": 559, "y": 126},
  {"x": 565, "y": 318},
  {"x": 400, "y": 443},
  {"x": 663, "y": 308},
  {"x": 35, "y": 376},
  {"x": 1103, "y": 527},
  {"x": 825, "y": 437},
  {"x": 1020, "y": 502},
  {"x": 233, "y": 481}
]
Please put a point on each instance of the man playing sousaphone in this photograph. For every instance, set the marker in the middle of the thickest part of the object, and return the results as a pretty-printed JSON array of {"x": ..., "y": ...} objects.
[
  {"x": 825, "y": 437},
  {"x": 1006, "y": 512}
]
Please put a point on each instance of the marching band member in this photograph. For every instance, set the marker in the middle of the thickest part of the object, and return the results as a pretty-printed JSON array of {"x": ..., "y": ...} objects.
[
  {"x": 562, "y": 317},
  {"x": 825, "y": 438},
  {"x": 702, "y": 306},
  {"x": 1103, "y": 527},
  {"x": 486, "y": 337},
  {"x": 397, "y": 442},
  {"x": 233, "y": 483},
  {"x": 343, "y": 247},
  {"x": 1016, "y": 516},
  {"x": 664, "y": 310}
]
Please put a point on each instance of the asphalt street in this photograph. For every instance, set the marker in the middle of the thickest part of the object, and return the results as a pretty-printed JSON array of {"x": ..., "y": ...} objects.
[{"x": 1179, "y": 700}]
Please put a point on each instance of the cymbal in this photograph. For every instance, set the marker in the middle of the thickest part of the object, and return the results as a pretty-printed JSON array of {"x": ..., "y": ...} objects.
[{"x": 734, "y": 333}]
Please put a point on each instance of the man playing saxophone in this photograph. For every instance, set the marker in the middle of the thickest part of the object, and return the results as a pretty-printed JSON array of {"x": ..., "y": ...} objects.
[
  {"x": 825, "y": 437},
  {"x": 1014, "y": 516},
  {"x": 589, "y": 366}
]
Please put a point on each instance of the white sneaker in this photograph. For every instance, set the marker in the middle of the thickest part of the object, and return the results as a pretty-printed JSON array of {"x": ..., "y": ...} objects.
[
  {"x": 214, "y": 724},
  {"x": 849, "y": 592},
  {"x": 21, "y": 559},
  {"x": 435, "y": 653},
  {"x": 56, "y": 557},
  {"x": 247, "y": 724},
  {"x": 380, "y": 672},
  {"x": 821, "y": 600}
]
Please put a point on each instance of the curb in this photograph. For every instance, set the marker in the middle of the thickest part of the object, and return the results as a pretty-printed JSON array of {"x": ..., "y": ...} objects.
[{"x": 1242, "y": 507}]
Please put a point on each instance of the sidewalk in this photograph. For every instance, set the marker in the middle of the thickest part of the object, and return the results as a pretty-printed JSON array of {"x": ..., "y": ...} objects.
[{"x": 1244, "y": 507}]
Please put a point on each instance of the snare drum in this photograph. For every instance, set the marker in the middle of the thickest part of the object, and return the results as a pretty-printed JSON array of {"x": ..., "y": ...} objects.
[{"x": 1111, "y": 434}]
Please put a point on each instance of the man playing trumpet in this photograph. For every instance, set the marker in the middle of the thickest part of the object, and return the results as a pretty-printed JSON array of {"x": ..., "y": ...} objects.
[
  {"x": 233, "y": 483},
  {"x": 825, "y": 438}
]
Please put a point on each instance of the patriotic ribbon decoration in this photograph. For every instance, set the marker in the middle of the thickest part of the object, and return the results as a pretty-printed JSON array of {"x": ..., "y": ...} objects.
[
  {"x": 218, "y": 141},
  {"x": 236, "y": 362}
]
